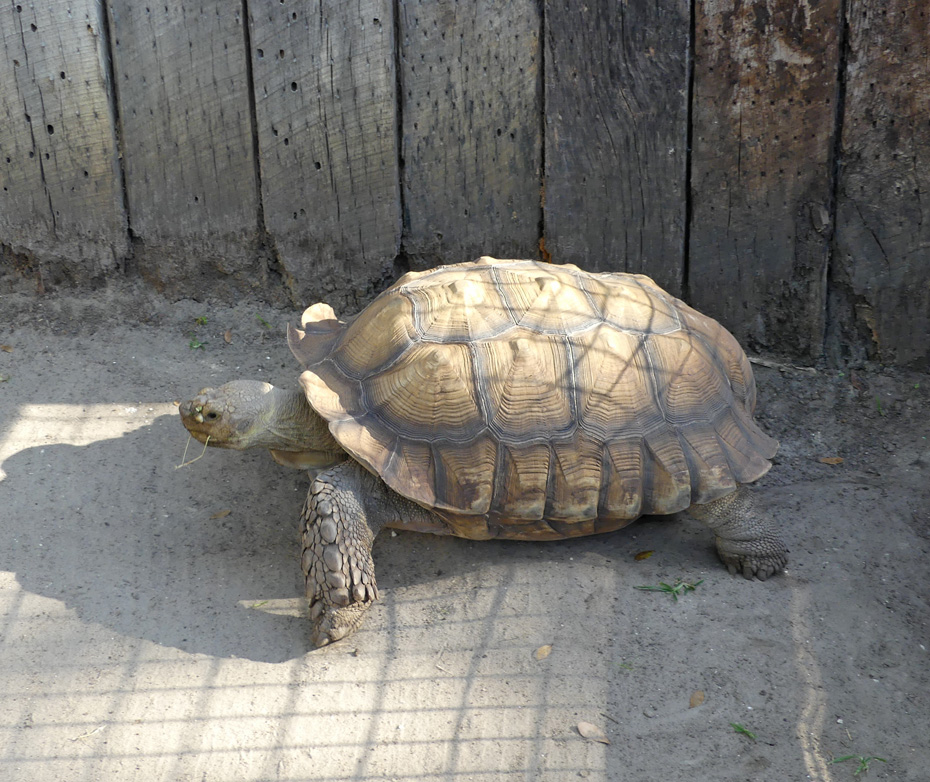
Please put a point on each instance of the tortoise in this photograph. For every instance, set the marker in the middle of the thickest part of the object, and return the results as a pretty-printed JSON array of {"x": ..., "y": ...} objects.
[{"x": 504, "y": 399}]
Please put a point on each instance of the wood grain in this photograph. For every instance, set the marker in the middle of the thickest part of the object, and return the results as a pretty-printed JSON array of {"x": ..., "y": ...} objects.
[
  {"x": 765, "y": 88},
  {"x": 319, "y": 148},
  {"x": 616, "y": 136},
  {"x": 881, "y": 268},
  {"x": 325, "y": 99},
  {"x": 182, "y": 87},
  {"x": 472, "y": 138},
  {"x": 61, "y": 201}
]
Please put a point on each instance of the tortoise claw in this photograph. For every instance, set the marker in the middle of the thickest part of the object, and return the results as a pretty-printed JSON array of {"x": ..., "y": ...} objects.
[
  {"x": 750, "y": 567},
  {"x": 332, "y": 623}
]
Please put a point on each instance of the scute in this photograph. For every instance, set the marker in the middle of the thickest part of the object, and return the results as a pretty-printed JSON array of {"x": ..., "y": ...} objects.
[
  {"x": 433, "y": 389},
  {"x": 548, "y": 299},
  {"x": 613, "y": 385},
  {"x": 638, "y": 306},
  {"x": 527, "y": 379},
  {"x": 465, "y": 309},
  {"x": 528, "y": 400}
]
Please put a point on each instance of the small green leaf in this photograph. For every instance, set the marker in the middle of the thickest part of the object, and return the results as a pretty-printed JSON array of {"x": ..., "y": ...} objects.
[
  {"x": 678, "y": 588},
  {"x": 743, "y": 730},
  {"x": 863, "y": 762}
]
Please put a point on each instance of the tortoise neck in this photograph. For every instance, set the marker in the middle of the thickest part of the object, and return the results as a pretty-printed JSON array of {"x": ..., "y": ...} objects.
[{"x": 291, "y": 425}]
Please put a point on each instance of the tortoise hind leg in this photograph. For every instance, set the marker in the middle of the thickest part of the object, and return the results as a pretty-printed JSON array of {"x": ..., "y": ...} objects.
[{"x": 745, "y": 535}]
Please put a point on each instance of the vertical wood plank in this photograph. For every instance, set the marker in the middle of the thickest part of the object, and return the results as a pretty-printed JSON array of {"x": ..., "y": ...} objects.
[
  {"x": 325, "y": 95},
  {"x": 881, "y": 269},
  {"x": 61, "y": 201},
  {"x": 616, "y": 136},
  {"x": 182, "y": 84},
  {"x": 764, "y": 107},
  {"x": 472, "y": 138}
]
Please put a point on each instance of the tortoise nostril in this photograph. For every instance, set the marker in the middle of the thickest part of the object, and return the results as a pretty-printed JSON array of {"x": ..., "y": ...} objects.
[{"x": 211, "y": 416}]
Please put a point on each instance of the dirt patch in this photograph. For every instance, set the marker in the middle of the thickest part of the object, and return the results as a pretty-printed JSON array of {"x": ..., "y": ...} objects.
[{"x": 149, "y": 634}]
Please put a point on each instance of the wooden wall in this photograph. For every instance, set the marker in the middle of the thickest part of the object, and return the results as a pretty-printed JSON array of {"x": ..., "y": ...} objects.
[
  {"x": 62, "y": 202},
  {"x": 766, "y": 87},
  {"x": 767, "y": 161},
  {"x": 880, "y": 281}
]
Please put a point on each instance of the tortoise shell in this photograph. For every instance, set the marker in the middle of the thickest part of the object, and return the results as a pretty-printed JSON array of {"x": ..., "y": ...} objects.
[{"x": 528, "y": 400}]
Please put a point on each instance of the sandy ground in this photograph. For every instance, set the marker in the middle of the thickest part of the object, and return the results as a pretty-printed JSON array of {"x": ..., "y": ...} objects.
[{"x": 152, "y": 627}]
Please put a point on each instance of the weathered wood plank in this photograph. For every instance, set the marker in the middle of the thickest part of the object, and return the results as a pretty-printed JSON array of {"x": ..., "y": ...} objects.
[
  {"x": 764, "y": 106},
  {"x": 881, "y": 269},
  {"x": 182, "y": 83},
  {"x": 472, "y": 136},
  {"x": 61, "y": 204},
  {"x": 325, "y": 95},
  {"x": 616, "y": 136}
]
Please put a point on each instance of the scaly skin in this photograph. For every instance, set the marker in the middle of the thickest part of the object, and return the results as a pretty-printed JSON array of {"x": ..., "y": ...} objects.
[
  {"x": 346, "y": 507},
  {"x": 745, "y": 535}
]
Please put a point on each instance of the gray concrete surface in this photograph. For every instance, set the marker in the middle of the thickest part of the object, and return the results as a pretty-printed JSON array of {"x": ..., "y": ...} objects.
[{"x": 152, "y": 625}]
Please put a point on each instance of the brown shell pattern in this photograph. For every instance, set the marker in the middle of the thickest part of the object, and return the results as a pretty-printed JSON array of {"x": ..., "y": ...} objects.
[{"x": 528, "y": 400}]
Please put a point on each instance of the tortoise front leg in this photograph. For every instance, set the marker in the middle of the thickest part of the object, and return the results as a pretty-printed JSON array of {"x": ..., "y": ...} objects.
[
  {"x": 337, "y": 533},
  {"x": 346, "y": 508},
  {"x": 746, "y": 539}
]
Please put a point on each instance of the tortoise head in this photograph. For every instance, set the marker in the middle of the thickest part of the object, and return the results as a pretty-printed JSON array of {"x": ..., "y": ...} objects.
[
  {"x": 234, "y": 415},
  {"x": 251, "y": 414}
]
